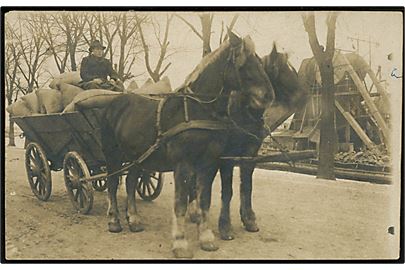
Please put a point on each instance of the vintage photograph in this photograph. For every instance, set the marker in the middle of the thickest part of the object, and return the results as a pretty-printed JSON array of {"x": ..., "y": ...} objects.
[{"x": 202, "y": 134}]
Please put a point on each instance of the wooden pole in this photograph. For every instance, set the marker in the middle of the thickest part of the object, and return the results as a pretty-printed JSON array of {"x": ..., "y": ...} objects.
[{"x": 353, "y": 123}]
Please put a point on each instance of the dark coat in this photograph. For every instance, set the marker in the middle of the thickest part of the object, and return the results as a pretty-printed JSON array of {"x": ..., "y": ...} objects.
[{"x": 93, "y": 67}]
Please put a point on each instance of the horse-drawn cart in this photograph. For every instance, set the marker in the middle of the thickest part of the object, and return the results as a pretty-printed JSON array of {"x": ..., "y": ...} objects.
[{"x": 72, "y": 142}]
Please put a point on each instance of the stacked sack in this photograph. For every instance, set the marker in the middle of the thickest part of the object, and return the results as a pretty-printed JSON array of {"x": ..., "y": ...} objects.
[
  {"x": 45, "y": 101},
  {"x": 74, "y": 98},
  {"x": 41, "y": 101},
  {"x": 64, "y": 96},
  {"x": 149, "y": 87}
]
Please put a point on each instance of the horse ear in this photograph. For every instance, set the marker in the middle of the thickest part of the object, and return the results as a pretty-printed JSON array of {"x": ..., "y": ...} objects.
[
  {"x": 249, "y": 45},
  {"x": 234, "y": 39},
  {"x": 273, "y": 53}
]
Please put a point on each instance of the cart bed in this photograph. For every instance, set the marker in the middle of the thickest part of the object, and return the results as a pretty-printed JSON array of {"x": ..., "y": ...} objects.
[{"x": 63, "y": 132}]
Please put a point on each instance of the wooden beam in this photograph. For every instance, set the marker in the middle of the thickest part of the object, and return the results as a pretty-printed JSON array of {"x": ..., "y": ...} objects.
[
  {"x": 369, "y": 102},
  {"x": 353, "y": 123}
]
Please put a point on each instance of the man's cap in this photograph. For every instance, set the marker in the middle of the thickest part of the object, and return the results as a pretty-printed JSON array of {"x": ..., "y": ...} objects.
[{"x": 96, "y": 44}]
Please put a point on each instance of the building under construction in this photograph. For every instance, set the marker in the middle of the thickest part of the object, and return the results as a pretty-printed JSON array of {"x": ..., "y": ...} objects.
[{"x": 362, "y": 116}]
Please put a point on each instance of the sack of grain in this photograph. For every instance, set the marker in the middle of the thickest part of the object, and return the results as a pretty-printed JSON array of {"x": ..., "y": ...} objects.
[
  {"x": 160, "y": 87},
  {"x": 132, "y": 86},
  {"x": 19, "y": 108},
  {"x": 147, "y": 83},
  {"x": 32, "y": 102},
  {"x": 72, "y": 77},
  {"x": 50, "y": 100},
  {"x": 95, "y": 98},
  {"x": 68, "y": 93}
]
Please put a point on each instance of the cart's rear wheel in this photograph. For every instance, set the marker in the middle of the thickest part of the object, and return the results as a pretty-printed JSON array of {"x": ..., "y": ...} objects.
[
  {"x": 80, "y": 191},
  {"x": 150, "y": 186},
  {"x": 38, "y": 171},
  {"x": 99, "y": 185}
]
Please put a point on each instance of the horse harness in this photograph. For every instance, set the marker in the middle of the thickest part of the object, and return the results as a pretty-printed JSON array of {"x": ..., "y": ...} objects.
[{"x": 187, "y": 93}]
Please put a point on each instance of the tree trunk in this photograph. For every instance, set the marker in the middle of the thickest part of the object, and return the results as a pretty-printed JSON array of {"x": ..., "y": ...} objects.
[
  {"x": 73, "y": 58},
  {"x": 324, "y": 59},
  {"x": 327, "y": 124},
  {"x": 11, "y": 140},
  {"x": 206, "y": 23}
]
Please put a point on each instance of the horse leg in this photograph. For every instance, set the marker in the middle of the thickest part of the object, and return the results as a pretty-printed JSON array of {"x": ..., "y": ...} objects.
[
  {"x": 193, "y": 210},
  {"x": 246, "y": 212},
  {"x": 204, "y": 186},
  {"x": 180, "y": 245},
  {"x": 112, "y": 185},
  {"x": 224, "y": 222},
  {"x": 134, "y": 221}
]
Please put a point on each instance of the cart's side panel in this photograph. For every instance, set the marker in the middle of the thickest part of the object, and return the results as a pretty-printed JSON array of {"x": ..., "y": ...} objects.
[
  {"x": 47, "y": 130},
  {"x": 61, "y": 133},
  {"x": 86, "y": 139}
]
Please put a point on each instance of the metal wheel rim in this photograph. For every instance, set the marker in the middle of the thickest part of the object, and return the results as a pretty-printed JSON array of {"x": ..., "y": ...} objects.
[
  {"x": 80, "y": 192},
  {"x": 149, "y": 186},
  {"x": 38, "y": 171}
]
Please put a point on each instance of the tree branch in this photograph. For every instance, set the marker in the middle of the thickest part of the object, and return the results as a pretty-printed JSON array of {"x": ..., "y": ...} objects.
[
  {"x": 330, "y": 40},
  {"x": 190, "y": 25},
  {"x": 309, "y": 25}
]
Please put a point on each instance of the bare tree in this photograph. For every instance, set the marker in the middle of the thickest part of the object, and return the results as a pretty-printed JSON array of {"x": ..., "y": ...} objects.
[
  {"x": 324, "y": 59},
  {"x": 128, "y": 34},
  {"x": 206, "y": 20},
  {"x": 118, "y": 32},
  {"x": 33, "y": 54},
  {"x": 63, "y": 34},
  {"x": 12, "y": 60},
  {"x": 157, "y": 72}
]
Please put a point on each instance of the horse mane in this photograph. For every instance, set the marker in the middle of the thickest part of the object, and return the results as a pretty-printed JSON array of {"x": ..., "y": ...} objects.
[{"x": 204, "y": 64}]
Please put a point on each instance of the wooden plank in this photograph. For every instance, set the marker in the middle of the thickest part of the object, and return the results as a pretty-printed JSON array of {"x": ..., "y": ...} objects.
[
  {"x": 380, "y": 89},
  {"x": 369, "y": 102},
  {"x": 382, "y": 178},
  {"x": 353, "y": 123},
  {"x": 276, "y": 157}
]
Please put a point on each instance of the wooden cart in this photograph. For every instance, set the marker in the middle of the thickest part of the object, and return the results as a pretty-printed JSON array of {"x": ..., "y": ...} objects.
[{"x": 72, "y": 142}]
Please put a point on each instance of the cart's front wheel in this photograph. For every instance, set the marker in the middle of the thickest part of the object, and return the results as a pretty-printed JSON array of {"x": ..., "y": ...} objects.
[
  {"x": 38, "y": 171},
  {"x": 79, "y": 190},
  {"x": 150, "y": 186}
]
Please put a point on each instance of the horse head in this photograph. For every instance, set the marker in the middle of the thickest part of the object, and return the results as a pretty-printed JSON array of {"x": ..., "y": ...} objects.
[
  {"x": 249, "y": 77},
  {"x": 282, "y": 75}
]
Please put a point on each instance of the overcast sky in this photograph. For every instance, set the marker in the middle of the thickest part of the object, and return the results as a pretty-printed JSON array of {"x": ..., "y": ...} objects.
[{"x": 286, "y": 29}]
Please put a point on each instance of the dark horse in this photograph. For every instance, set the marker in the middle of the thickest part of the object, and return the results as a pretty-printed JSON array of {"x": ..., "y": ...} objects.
[
  {"x": 247, "y": 142},
  {"x": 192, "y": 149}
]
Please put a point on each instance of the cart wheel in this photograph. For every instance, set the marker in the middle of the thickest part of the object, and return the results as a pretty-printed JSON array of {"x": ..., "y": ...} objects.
[
  {"x": 99, "y": 185},
  {"x": 150, "y": 186},
  {"x": 80, "y": 192},
  {"x": 38, "y": 172}
]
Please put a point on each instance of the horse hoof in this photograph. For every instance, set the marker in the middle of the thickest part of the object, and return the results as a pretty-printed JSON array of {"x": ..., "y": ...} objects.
[
  {"x": 251, "y": 226},
  {"x": 209, "y": 246},
  {"x": 136, "y": 227},
  {"x": 181, "y": 253},
  {"x": 114, "y": 227},
  {"x": 181, "y": 250},
  {"x": 226, "y": 236}
]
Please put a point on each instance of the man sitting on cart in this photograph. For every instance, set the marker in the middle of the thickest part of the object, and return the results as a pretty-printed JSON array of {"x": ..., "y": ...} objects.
[{"x": 95, "y": 70}]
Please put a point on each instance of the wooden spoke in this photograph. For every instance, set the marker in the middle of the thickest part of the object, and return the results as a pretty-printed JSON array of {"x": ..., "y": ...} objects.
[
  {"x": 38, "y": 171},
  {"x": 150, "y": 186},
  {"x": 80, "y": 192}
]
